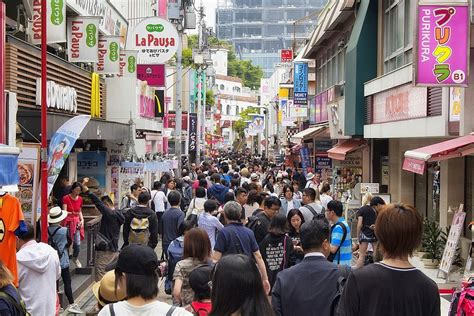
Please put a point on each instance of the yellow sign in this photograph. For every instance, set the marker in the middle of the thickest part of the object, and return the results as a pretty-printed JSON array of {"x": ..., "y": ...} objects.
[
  {"x": 283, "y": 93},
  {"x": 95, "y": 95}
]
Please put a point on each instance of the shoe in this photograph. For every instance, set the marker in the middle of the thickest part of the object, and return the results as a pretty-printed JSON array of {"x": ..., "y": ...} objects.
[
  {"x": 73, "y": 309},
  {"x": 77, "y": 263}
]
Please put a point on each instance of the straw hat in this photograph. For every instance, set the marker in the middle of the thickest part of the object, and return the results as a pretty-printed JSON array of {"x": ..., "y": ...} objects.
[
  {"x": 104, "y": 290},
  {"x": 56, "y": 215}
]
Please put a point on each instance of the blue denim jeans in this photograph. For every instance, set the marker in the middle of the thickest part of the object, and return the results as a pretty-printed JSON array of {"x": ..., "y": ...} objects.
[{"x": 76, "y": 244}]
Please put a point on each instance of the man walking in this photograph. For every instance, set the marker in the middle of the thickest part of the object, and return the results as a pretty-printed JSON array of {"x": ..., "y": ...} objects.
[
  {"x": 172, "y": 219},
  {"x": 38, "y": 271},
  {"x": 141, "y": 224},
  {"x": 106, "y": 243},
  {"x": 217, "y": 191},
  {"x": 158, "y": 202},
  {"x": 311, "y": 207},
  {"x": 261, "y": 222},
  {"x": 341, "y": 243},
  {"x": 308, "y": 287},
  {"x": 235, "y": 238}
]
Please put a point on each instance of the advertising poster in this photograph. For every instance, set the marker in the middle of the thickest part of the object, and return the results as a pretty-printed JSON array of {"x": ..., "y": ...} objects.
[
  {"x": 109, "y": 55},
  {"x": 83, "y": 39},
  {"x": 130, "y": 173},
  {"x": 28, "y": 184},
  {"x": 55, "y": 19},
  {"x": 128, "y": 63},
  {"x": 155, "y": 39},
  {"x": 258, "y": 123},
  {"x": 301, "y": 84},
  {"x": 443, "y": 45},
  {"x": 92, "y": 164}
]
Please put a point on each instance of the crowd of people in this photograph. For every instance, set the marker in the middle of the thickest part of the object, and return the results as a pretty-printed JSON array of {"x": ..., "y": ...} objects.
[{"x": 236, "y": 236}]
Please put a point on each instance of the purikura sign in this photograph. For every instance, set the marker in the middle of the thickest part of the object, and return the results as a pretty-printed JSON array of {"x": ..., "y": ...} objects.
[
  {"x": 109, "y": 55},
  {"x": 155, "y": 39},
  {"x": 55, "y": 19},
  {"x": 146, "y": 99},
  {"x": 83, "y": 39},
  {"x": 443, "y": 44}
]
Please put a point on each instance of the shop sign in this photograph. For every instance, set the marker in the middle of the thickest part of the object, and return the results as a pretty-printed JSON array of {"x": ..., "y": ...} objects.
[
  {"x": 321, "y": 112},
  {"x": 159, "y": 103},
  {"x": 286, "y": 55},
  {"x": 336, "y": 119},
  {"x": 323, "y": 146},
  {"x": 146, "y": 100},
  {"x": 55, "y": 19},
  {"x": 58, "y": 97},
  {"x": 443, "y": 44},
  {"x": 109, "y": 55},
  {"x": 283, "y": 93},
  {"x": 153, "y": 74},
  {"x": 352, "y": 160},
  {"x": 155, "y": 39},
  {"x": 128, "y": 63},
  {"x": 323, "y": 163},
  {"x": 111, "y": 23},
  {"x": 300, "y": 84},
  {"x": 369, "y": 188},
  {"x": 456, "y": 96},
  {"x": 401, "y": 103},
  {"x": 170, "y": 119},
  {"x": 298, "y": 112},
  {"x": 83, "y": 39},
  {"x": 414, "y": 165},
  {"x": 192, "y": 132},
  {"x": 305, "y": 160},
  {"x": 92, "y": 164}
]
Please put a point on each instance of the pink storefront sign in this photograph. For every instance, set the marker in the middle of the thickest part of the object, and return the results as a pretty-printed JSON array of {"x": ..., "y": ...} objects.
[
  {"x": 153, "y": 74},
  {"x": 414, "y": 165},
  {"x": 443, "y": 45}
]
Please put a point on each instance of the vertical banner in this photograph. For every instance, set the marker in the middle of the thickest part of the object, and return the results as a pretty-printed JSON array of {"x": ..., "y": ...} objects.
[
  {"x": 442, "y": 57},
  {"x": 56, "y": 21},
  {"x": 305, "y": 160},
  {"x": 192, "y": 135},
  {"x": 83, "y": 39},
  {"x": 301, "y": 84},
  {"x": 456, "y": 96},
  {"x": 28, "y": 171},
  {"x": 163, "y": 9},
  {"x": 258, "y": 122},
  {"x": 109, "y": 55},
  {"x": 128, "y": 63}
]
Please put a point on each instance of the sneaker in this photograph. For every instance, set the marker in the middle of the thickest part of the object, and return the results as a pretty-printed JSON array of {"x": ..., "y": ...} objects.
[
  {"x": 73, "y": 309},
  {"x": 77, "y": 263}
]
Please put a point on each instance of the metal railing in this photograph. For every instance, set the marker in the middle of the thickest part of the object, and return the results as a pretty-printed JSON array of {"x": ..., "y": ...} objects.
[{"x": 92, "y": 228}]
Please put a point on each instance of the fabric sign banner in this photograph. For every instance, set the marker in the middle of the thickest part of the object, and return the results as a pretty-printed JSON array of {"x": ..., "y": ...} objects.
[
  {"x": 109, "y": 55},
  {"x": 192, "y": 133},
  {"x": 83, "y": 39},
  {"x": 443, "y": 45},
  {"x": 56, "y": 21},
  {"x": 128, "y": 63}
]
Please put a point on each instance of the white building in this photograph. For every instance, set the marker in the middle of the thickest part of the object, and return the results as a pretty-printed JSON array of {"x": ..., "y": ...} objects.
[{"x": 135, "y": 10}]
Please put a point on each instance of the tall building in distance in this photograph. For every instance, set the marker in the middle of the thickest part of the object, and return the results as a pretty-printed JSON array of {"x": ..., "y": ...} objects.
[{"x": 259, "y": 29}]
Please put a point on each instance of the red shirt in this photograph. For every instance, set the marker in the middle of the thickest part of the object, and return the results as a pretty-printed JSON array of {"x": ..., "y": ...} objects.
[{"x": 73, "y": 207}]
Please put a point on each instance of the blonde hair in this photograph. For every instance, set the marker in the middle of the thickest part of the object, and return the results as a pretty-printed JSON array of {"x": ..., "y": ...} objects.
[
  {"x": 367, "y": 198},
  {"x": 6, "y": 276}
]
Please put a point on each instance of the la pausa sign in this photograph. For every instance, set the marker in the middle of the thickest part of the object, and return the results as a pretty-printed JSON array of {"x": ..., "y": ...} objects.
[{"x": 155, "y": 39}]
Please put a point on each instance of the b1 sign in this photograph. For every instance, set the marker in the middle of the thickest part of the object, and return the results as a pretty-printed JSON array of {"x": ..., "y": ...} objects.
[
  {"x": 443, "y": 45},
  {"x": 155, "y": 39}
]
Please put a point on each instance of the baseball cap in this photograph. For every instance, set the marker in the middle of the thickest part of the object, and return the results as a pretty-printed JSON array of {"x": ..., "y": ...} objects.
[
  {"x": 137, "y": 259},
  {"x": 200, "y": 279},
  {"x": 254, "y": 176}
]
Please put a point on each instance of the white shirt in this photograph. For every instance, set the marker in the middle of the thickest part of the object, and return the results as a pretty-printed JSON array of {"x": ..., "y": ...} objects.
[
  {"x": 159, "y": 199},
  {"x": 290, "y": 205},
  {"x": 156, "y": 308},
  {"x": 325, "y": 199},
  {"x": 315, "y": 254}
]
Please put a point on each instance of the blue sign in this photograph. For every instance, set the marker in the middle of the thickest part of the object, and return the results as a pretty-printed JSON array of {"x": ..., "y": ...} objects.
[
  {"x": 92, "y": 164},
  {"x": 300, "y": 84},
  {"x": 305, "y": 160}
]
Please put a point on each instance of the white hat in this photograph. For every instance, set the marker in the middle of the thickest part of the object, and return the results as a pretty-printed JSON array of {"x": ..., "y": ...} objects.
[
  {"x": 56, "y": 215},
  {"x": 309, "y": 176},
  {"x": 254, "y": 176}
]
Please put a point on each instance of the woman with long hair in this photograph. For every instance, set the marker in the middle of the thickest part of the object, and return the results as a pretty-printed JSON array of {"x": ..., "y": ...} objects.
[
  {"x": 253, "y": 203},
  {"x": 276, "y": 248},
  {"x": 72, "y": 204},
  {"x": 197, "y": 251},
  {"x": 237, "y": 288}
]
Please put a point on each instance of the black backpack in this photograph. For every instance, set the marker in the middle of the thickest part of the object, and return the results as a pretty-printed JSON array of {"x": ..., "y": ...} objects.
[
  {"x": 53, "y": 244},
  {"x": 313, "y": 211},
  {"x": 341, "y": 283},
  {"x": 253, "y": 222},
  {"x": 18, "y": 305}
]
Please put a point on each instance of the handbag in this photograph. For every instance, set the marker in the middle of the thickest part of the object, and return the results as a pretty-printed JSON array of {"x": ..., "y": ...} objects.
[
  {"x": 102, "y": 243},
  {"x": 193, "y": 217}
]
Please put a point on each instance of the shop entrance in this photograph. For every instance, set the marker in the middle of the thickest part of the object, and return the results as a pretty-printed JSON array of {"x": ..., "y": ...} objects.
[{"x": 427, "y": 190}]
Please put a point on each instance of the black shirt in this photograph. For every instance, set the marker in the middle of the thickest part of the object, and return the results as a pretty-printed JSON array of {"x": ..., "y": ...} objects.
[
  {"x": 172, "y": 219},
  {"x": 378, "y": 289},
  {"x": 369, "y": 215},
  {"x": 276, "y": 252},
  {"x": 261, "y": 229},
  {"x": 110, "y": 222}
]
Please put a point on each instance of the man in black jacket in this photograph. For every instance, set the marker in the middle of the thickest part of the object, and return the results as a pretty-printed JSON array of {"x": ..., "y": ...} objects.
[
  {"x": 141, "y": 224},
  {"x": 106, "y": 243}
]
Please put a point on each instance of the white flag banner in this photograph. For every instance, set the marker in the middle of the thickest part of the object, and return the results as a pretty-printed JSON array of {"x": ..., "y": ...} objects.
[
  {"x": 128, "y": 63},
  {"x": 83, "y": 39},
  {"x": 56, "y": 21},
  {"x": 109, "y": 55}
]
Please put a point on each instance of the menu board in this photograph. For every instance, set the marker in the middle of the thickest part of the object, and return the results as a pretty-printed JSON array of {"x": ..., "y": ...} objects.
[
  {"x": 28, "y": 171},
  {"x": 453, "y": 239}
]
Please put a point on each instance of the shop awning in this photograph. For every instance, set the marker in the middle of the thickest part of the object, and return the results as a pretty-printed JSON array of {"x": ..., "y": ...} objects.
[
  {"x": 308, "y": 133},
  {"x": 415, "y": 160},
  {"x": 340, "y": 151}
]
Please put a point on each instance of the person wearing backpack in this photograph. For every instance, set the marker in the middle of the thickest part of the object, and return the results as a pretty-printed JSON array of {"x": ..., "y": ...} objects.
[
  {"x": 217, "y": 191},
  {"x": 392, "y": 286},
  {"x": 260, "y": 223},
  {"x": 172, "y": 219},
  {"x": 196, "y": 207},
  {"x": 58, "y": 239},
  {"x": 130, "y": 200},
  {"x": 312, "y": 207},
  {"x": 10, "y": 300},
  {"x": 341, "y": 242},
  {"x": 38, "y": 268},
  {"x": 310, "y": 285},
  {"x": 141, "y": 224}
]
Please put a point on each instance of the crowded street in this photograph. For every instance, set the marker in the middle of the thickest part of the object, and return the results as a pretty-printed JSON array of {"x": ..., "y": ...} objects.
[{"x": 236, "y": 158}]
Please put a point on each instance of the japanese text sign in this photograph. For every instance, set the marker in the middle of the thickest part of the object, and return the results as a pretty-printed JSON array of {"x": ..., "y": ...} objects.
[
  {"x": 443, "y": 45},
  {"x": 286, "y": 55},
  {"x": 301, "y": 84},
  {"x": 153, "y": 74}
]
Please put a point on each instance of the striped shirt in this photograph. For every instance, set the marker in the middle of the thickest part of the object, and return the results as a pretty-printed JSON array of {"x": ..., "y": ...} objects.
[{"x": 344, "y": 256}]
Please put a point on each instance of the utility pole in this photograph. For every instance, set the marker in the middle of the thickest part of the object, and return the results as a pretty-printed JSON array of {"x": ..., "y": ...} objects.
[{"x": 199, "y": 108}]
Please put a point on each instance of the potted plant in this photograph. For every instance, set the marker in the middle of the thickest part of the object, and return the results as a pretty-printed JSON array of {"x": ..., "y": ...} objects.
[
  {"x": 421, "y": 250},
  {"x": 433, "y": 245}
]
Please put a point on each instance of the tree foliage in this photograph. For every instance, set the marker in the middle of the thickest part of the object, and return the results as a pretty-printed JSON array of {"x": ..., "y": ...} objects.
[{"x": 241, "y": 124}]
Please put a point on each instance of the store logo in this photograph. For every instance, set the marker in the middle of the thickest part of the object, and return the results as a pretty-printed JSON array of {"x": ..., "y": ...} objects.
[
  {"x": 131, "y": 64},
  {"x": 113, "y": 51},
  {"x": 57, "y": 96},
  {"x": 155, "y": 28},
  {"x": 91, "y": 31},
  {"x": 57, "y": 17}
]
